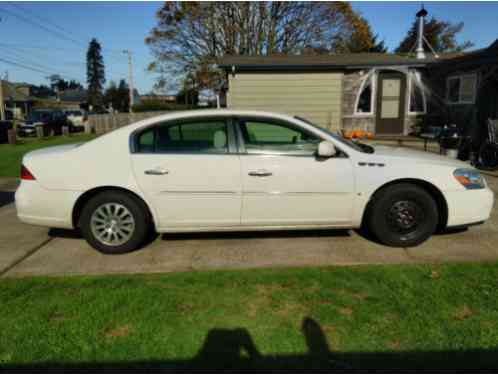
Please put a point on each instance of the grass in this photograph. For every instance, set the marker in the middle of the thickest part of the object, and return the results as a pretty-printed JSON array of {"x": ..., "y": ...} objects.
[
  {"x": 441, "y": 316},
  {"x": 11, "y": 155}
]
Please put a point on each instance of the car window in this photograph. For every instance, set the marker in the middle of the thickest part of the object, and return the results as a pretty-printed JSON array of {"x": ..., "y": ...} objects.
[
  {"x": 265, "y": 136},
  {"x": 145, "y": 142},
  {"x": 201, "y": 136}
]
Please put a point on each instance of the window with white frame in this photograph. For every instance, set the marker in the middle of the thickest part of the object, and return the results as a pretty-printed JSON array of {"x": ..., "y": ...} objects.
[
  {"x": 416, "y": 100},
  {"x": 364, "y": 101},
  {"x": 461, "y": 89}
]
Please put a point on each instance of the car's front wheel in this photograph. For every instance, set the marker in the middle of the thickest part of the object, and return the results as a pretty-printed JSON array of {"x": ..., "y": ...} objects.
[
  {"x": 114, "y": 222},
  {"x": 403, "y": 215}
]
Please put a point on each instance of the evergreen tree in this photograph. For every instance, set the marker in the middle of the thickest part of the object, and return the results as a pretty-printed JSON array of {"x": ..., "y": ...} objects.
[
  {"x": 440, "y": 34},
  {"x": 118, "y": 96},
  {"x": 95, "y": 73}
]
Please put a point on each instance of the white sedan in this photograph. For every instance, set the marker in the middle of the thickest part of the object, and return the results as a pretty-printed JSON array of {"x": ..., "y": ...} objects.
[{"x": 227, "y": 170}]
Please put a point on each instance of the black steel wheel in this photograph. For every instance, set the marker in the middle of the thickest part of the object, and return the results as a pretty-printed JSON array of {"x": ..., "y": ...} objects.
[{"x": 402, "y": 215}]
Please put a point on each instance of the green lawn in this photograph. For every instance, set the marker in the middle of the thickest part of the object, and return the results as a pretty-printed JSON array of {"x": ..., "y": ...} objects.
[
  {"x": 351, "y": 317},
  {"x": 11, "y": 155}
]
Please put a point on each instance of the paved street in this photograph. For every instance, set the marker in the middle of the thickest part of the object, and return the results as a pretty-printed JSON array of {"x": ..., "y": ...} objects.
[{"x": 27, "y": 250}]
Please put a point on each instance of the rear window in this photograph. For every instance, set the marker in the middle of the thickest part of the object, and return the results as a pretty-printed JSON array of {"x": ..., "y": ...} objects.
[{"x": 201, "y": 136}]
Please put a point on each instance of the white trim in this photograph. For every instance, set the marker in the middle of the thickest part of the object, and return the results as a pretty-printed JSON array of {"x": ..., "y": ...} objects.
[
  {"x": 370, "y": 76},
  {"x": 416, "y": 75},
  {"x": 459, "y": 77}
]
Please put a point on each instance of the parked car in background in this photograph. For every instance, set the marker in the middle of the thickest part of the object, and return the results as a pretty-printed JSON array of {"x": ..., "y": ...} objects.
[
  {"x": 75, "y": 117},
  {"x": 228, "y": 170},
  {"x": 50, "y": 120}
]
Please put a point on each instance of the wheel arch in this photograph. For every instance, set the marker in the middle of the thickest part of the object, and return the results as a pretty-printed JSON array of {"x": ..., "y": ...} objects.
[
  {"x": 430, "y": 188},
  {"x": 87, "y": 195}
]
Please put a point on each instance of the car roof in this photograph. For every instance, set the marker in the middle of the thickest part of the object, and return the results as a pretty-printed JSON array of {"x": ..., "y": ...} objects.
[{"x": 211, "y": 112}]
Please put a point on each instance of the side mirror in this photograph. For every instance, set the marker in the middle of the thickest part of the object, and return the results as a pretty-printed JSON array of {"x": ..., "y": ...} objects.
[{"x": 326, "y": 149}]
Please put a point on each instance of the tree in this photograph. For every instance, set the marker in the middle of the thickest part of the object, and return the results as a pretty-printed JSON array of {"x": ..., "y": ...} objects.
[
  {"x": 95, "y": 73},
  {"x": 190, "y": 36},
  {"x": 441, "y": 35},
  {"x": 57, "y": 83},
  {"x": 361, "y": 39},
  {"x": 118, "y": 96},
  {"x": 42, "y": 91}
]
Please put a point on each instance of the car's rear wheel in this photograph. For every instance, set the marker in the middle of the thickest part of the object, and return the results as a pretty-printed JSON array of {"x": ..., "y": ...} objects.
[
  {"x": 114, "y": 222},
  {"x": 403, "y": 215}
]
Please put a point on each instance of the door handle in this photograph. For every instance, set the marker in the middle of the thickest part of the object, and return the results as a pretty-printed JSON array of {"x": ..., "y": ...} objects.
[
  {"x": 156, "y": 172},
  {"x": 260, "y": 173}
]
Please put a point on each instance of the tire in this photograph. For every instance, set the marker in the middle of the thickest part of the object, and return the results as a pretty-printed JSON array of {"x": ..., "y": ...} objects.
[
  {"x": 402, "y": 215},
  {"x": 124, "y": 217},
  {"x": 488, "y": 156}
]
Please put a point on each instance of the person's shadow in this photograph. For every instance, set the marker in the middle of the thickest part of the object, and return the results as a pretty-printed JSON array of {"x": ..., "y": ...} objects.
[{"x": 235, "y": 349}]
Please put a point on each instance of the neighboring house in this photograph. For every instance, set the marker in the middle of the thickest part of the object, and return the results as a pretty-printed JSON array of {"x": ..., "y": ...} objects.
[
  {"x": 17, "y": 98},
  {"x": 73, "y": 99},
  {"x": 386, "y": 94}
]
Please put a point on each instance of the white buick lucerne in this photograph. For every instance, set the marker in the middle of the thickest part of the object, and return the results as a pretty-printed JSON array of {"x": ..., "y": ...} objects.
[{"x": 229, "y": 170}]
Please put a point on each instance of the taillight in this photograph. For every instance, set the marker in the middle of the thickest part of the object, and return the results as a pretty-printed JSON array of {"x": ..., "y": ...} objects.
[{"x": 26, "y": 174}]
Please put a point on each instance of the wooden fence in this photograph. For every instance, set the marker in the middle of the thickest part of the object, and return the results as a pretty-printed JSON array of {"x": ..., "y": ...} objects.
[{"x": 101, "y": 124}]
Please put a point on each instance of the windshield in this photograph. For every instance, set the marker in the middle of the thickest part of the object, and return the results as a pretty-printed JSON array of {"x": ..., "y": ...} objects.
[
  {"x": 39, "y": 116},
  {"x": 355, "y": 146}
]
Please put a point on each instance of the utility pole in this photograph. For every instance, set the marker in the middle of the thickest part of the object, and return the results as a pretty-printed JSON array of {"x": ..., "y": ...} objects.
[{"x": 130, "y": 78}]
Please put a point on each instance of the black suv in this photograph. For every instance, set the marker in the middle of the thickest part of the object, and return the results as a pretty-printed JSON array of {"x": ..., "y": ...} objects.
[{"x": 51, "y": 122}]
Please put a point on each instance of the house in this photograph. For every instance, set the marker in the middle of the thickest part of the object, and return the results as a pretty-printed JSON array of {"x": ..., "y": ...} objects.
[
  {"x": 73, "y": 99},
  {"x": 386, "y": 94},
  {"x": 17, "y": 98}
]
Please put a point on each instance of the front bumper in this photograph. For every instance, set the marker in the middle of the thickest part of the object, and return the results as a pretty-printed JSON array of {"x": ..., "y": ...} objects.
[{"x": 469, "y": 207}]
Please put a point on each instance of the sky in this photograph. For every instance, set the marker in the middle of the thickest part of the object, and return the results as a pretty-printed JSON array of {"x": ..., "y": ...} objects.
[{"x": 124, "y": 25}]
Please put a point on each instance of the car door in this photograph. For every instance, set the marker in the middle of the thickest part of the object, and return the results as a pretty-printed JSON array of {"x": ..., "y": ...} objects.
[
  {"x": 284, "y": 182},
  {"x": 190, "y": 172}
]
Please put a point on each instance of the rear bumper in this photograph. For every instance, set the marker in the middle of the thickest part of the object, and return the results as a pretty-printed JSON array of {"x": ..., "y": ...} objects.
[
  {"x": 36, "y": 205},
  {"x": 469, "y": 207}
]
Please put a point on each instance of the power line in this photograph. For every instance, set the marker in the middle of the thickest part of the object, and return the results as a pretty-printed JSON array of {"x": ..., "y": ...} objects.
[
  {"x": 33, "y": 23},
  {"x": 38, "y": 47},
  {"x": 35, "y": 69},
  {"x": 28, "y": 47},
  {"x": 38, "y": 67},
  {"x": 57, "y": 33},
  {"x": 43, "y": 19},
  {"x": 22, "y": 54}
]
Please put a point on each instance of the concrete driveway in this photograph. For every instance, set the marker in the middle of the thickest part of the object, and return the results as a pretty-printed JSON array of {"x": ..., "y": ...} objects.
[{"x": 37, "y": 251}]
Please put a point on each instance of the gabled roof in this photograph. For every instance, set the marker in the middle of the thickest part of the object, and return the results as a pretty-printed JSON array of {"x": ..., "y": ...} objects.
[
  {"x": 338, "y": 61},
  {"x": 487, "y": 55}
]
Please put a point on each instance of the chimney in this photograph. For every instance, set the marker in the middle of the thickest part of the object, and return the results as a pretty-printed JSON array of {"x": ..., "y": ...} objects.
[{"x": 420, "y": 33}]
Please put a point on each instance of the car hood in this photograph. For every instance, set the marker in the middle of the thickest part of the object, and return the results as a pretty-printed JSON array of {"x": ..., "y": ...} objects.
[
  {"x": 49, "y": 151},
  {"x": 416, "y": 156}
]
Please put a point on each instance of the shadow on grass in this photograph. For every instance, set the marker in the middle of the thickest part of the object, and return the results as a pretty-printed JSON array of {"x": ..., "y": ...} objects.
[{"x": 234, "y": 349}]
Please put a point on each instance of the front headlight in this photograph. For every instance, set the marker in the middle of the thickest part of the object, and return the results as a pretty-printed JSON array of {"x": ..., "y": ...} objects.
[{"x": 469, "y": 178}]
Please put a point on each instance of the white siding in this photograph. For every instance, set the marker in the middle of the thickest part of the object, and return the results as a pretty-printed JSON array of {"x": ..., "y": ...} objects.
[{"x": 315, "y": 96}]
